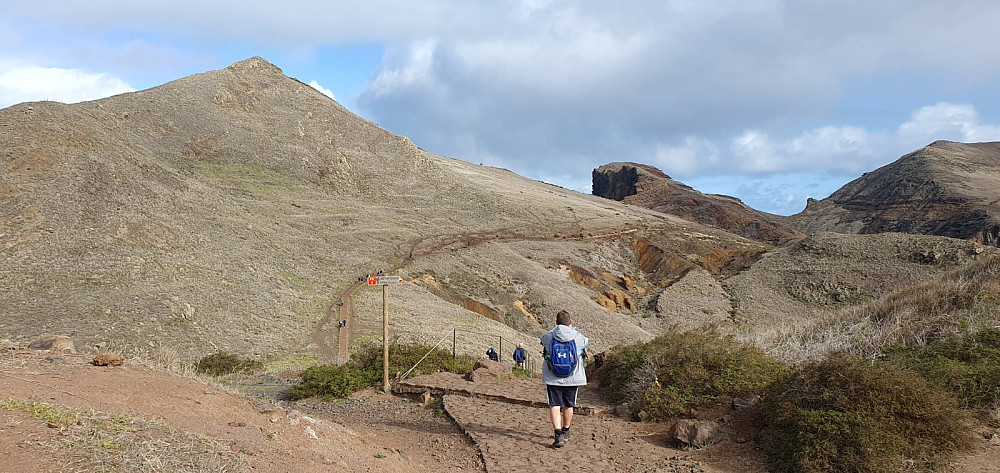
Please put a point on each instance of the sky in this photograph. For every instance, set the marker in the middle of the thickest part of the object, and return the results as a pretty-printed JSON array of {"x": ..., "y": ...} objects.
[{"x": 769, "y": 101}]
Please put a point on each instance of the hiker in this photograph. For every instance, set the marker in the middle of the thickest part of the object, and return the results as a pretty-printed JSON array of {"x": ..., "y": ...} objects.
[
  {"x": 520, "y": 356},
  {"x": 492, "y": 353},
  {"x": 563, "y": 373}
]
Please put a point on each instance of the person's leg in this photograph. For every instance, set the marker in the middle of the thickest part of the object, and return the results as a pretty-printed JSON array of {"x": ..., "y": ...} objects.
[
  {"x": 556, "y": 417},
  {"x": 567, "y": 417}
]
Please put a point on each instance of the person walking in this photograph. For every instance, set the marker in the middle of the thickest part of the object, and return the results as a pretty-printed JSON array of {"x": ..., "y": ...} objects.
[
  {"x": 492, "y": 353},
  {"x": 520, "y": 356},
  {"x": 563, "y": 373}
]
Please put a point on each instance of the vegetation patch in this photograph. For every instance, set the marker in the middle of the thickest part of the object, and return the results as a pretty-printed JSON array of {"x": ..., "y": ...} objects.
[
  {"x": 312, "y": 311},
  {"x": 849, "y": 414},
  {"x": 365, "y": 369},
  {"x": 222, "y": 363},
  {"x": 674, "y": 372},
  {"x": 966, "y": 364},
  {"x": 250, "y": 178}
]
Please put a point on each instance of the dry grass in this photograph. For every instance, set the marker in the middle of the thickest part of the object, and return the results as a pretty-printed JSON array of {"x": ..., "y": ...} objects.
[
  {"x": 88, "y": 440},
  {"x": 966, "y": 298}
]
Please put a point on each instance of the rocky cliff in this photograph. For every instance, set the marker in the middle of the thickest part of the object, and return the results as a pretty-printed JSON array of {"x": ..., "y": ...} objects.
[
  {"x": 649, "y": 187},
  {"x": 946, "y": 188}
]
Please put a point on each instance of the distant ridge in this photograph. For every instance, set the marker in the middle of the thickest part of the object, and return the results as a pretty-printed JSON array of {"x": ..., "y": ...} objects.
[
  {"x": 946, "y": 189},
  {"x": 646, "y": 186}
]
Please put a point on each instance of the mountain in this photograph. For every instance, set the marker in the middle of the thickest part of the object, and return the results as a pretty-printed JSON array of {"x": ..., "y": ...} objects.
[
  {"x": 649, "y": 187},
  {"x": 946, "y": 188},
  {"x": 238, "y": 210},
  {"x": 234, "y": 209}
]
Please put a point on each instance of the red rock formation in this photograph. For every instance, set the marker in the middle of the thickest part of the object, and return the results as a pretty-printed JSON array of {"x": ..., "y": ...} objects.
[{"x": 649, "y": 187}]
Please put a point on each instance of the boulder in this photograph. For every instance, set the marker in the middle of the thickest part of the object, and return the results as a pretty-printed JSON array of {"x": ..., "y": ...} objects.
[
  {"x": 108, "y": 359},
  {"x": 54, "y": 344},
  {"x": 695, "y": 433},
  {"x": 487, "y": 369}
]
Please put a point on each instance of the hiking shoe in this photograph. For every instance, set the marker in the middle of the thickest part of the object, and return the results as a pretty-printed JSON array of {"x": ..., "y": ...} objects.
[
  {"x": 560, "y": 441},
  {"x": 566, "y": 435}
]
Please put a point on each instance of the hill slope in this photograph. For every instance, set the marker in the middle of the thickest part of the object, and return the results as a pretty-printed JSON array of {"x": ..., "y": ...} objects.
[
  {"x": 945, "y": 188},
  {"x": 228, "y": 210}
]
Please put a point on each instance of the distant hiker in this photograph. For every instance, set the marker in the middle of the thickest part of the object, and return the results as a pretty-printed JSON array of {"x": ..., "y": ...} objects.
[
  {"x": 520, "y": 356},
  {"x": 492, "y": 353},
  {"x": 563, "y": 373},
  {"x": 342, "y": 324}
]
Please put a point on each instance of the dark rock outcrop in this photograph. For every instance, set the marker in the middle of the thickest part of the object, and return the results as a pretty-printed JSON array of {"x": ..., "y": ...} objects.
[
  {"x": 946, "y": 189},
  {"x": 649, "y": 187}
]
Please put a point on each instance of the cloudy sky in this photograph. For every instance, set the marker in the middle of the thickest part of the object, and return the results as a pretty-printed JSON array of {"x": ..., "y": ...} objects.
[{"x": 770, "y": 101}]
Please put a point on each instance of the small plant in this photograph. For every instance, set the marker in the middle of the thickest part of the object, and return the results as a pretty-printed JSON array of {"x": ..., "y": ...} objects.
[
  {"x": 380, "y": 455},
  {"x": 365, "y": 369},
  {"x": 523, "y": 373},
  {"x": 222, "y": 363}
]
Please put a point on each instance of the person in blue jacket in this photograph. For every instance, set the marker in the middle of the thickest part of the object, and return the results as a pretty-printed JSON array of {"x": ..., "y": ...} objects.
[{"x": 520, "y": 356}]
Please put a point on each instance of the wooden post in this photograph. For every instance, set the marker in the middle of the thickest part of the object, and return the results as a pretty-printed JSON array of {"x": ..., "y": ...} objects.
[
  {"x": 500, "y": 354},
  {"x": 385, "y": 338},
  {"x": 454, "y": 342}
]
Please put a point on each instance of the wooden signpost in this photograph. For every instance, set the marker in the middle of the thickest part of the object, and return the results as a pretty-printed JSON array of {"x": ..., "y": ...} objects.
[{"x": 385, "y": 281}]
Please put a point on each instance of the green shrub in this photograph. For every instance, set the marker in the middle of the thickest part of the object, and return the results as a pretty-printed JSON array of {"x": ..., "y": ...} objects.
[
  {"x": 365, "y": 369},
  {"x": 674, "y": 372},
  {"x": 847, "y": 414},
  {"x": 966, "y": 364},
  {"x": 333, "y": 381},
  {"x": 222, "y": 363}
]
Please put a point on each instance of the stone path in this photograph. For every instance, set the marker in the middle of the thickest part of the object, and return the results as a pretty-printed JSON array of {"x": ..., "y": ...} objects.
[{"x": 509, "y": 422}]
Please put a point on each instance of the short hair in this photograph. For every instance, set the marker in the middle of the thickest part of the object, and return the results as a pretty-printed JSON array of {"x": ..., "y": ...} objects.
[{"x": 563, "y": 318}]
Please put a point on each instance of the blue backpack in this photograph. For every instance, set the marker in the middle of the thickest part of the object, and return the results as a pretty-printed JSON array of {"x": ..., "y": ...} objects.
[{"x": 563, "y": 357}]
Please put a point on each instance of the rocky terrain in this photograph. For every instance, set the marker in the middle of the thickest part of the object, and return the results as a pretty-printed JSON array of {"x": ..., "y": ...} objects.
[{"x": 945, "y": 188}]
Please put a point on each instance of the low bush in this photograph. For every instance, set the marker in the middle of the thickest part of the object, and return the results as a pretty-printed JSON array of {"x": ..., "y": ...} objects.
[
  {"x": 848, "y": 414},
  {"x": 967, "y": 364},
  {"x": 365, "y": 369},
  {"x": 674, "y": 372},
  {"x": 222, "y": 363}
]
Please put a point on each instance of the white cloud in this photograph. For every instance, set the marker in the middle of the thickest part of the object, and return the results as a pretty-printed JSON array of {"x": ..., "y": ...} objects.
[
  {"x": 32, "y": 83},
  {"x": 958, "y": 122},
  {"x": 412, "y": 68},
  {"x": 322, "y": 90}
]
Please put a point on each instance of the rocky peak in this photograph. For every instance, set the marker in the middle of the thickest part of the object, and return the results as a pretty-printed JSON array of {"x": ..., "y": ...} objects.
[{"x": 649, "y": 187}]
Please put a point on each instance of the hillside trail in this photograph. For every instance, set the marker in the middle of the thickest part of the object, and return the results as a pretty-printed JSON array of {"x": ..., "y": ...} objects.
[{"x": 343, "y": 307}]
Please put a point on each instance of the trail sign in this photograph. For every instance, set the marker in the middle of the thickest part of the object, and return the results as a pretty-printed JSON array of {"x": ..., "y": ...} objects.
[{"x": 384, "y": 280}]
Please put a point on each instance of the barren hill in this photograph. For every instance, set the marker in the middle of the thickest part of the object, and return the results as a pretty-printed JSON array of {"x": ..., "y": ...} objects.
[
  {"x": 646, "y": 186},
  {"x": 945, "y": 188},
  {"x": 231, "y": 210}
]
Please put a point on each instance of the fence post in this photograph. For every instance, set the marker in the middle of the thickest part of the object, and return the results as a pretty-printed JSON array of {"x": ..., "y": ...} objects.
[
  {"x": 454, "y": 339},
  {"x": 500, "y": 355}
]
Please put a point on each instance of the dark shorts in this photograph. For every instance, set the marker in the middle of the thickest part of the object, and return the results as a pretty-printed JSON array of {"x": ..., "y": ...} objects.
[{"x": 562, "y": 395}]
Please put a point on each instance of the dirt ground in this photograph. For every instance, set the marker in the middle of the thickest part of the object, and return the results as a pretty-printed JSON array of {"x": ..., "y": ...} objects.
[{"x": 141, "y": 418}]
